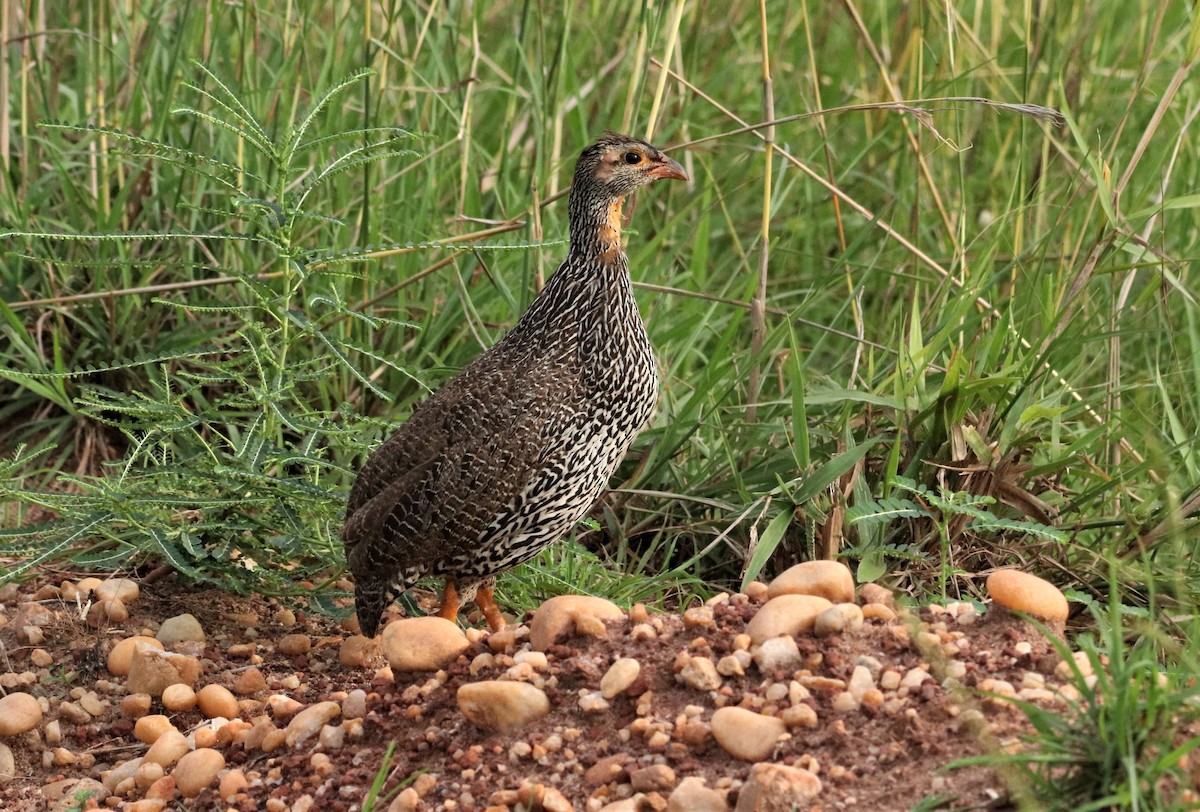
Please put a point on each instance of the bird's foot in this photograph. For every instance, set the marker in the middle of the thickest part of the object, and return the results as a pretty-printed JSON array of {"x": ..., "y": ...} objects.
[
  {"x": 450, "y": 603},
  {"x": 486, "y": 601}
]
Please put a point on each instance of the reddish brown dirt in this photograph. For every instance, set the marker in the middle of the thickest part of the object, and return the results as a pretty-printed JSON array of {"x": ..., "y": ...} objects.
[{"x": 866, "y": 759}]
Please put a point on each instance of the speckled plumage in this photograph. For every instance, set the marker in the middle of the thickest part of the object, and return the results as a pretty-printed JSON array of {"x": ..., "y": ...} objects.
[{"x": 508, "y": 455}]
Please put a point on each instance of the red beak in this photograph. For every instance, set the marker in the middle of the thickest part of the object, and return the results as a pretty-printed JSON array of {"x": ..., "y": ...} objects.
[{"x": 668, "y": 169}]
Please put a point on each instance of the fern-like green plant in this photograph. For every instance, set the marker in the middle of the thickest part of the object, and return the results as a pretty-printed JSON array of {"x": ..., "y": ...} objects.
[{"x": 236, "y": 440}]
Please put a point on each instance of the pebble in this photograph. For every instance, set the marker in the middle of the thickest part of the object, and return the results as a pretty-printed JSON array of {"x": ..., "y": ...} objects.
[
  {"x": 756, "y": 591},
  {"x": 41, "y": 658},
  {"x": 354, "y": 706},
  {"x": 860, "y": 682},
  {"x": 502, "y": 706},
  {"x": 878, "y": 611},
  {"x": 144, "y": 805},
  {"x": 73, "y": 713},
  {"x": 232, "y": 783},
  {"x": 620, "y": 675},
  {"x": 295, "y": 644},
  {"x": 837, "y": 619},
  {"x": 415, "y": 644},
  {"x": 217, "y": 700},
  {"x": 731, "y": 666},
  {"x": 249, "y": 682},
  {"x": 777, "y": 654},
  {"x": 693, "y": 796},
  {"x": 151, "y": 670},
  {"x": 19, "y": 713},
  {"x": 356, "y": 651},
  {"x": 121, "y": 655},
  {"x": 180, "y": 628},
  {"x": 571, "y": 614},
  {"x": 605, "y": 770},
  {"x": 148, "y": 729},
  {"x": 698, "y": 617},
  {"x": 655, "y": 778},
  {"x": 785, "y": 615},
  {"x": 121, "y": 589},
  {"x": 746, "y": 735},
  {"x": 119, "y": 774},
  {"x": 309, "y": 721},
  {"x": 799, "y": 715},
  {"x": 1022, "y": 592},
  {"x": 168, "y": 748},
  {"x": 844, "y": 702},
  {"x": 777, "y": 788},
  {"x": 914, "y": 678},
  {"x": 825, "y": 579},
  {"x": 197, "y": 770},
  {"x": 701, "y": 674},
  {"x": 8, "y": 765},
  {"x": 179, "y": 697},
  {"x": 147, "y": 774},
  {"x": 874, "y": 593}
]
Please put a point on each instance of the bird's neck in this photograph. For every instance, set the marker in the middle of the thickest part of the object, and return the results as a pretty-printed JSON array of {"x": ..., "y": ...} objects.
[{"x": 596, "y": 229}]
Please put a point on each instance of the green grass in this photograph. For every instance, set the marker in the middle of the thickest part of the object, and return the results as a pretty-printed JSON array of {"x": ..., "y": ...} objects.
[{"x": 942, "y": 350}]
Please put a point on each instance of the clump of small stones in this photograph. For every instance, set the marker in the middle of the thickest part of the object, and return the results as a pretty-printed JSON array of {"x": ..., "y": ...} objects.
[{"x": 746, "y": 674}]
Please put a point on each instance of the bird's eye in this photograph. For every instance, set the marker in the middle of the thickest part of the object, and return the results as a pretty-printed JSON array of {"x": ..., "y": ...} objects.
[{"x": 632, "y": 158}]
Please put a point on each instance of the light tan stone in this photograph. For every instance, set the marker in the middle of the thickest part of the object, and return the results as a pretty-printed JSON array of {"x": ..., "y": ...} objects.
[
  {"x": 700, "y": 673},
  {"x": 148, "y": 729},
  {"x": 414, "y": 644},
  {"x": 1022, "y": 592},
  {"x": 308, "y": 722},
  {"x": 180, "y": 628},
  {"x": 838, "y": 619},
  {"x": 217, "y": 700},
  {"x": 620, "y": 675},
  {"x": 121, "y": 655},
  {"x": 787, "y": 615},
  {"x": 197, "y": 770},
  {"x": 778, "y": 788},
  {"x": 19, "y": 712},
  {"x": 825, "y": 579},
  {"x": 570, "y": 614},
  {"x": 693, "y": 796},
  {"x": 167, "y": 748},
  {"x": 502, "y": 705},
  {"x": 746, "y": 735},
  {"x": 151, "y": 671}
]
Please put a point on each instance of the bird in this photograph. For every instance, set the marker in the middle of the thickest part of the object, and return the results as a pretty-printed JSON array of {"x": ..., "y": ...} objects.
[{"x": 507, "y": 456}]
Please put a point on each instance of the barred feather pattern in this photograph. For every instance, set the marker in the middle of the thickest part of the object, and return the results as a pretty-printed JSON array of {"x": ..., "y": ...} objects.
[{"x": 507, "y": 456}]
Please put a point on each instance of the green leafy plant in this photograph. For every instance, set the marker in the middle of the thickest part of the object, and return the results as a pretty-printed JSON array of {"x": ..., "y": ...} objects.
[{"x": 235, "y": 442}]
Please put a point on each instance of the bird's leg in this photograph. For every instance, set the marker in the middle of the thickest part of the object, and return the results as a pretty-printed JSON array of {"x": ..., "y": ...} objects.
[
  {"x": 486, "y": 601},
  {"x": 450, "y": 602}
]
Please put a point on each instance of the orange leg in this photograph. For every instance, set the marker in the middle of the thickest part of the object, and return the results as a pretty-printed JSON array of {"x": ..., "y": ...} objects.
[
  {"x": 486, "y": 601},
  {"x": 450, "y": 602}
]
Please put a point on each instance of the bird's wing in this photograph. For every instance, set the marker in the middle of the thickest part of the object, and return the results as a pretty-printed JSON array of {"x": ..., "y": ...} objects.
[{"x": 465, "y": 455}]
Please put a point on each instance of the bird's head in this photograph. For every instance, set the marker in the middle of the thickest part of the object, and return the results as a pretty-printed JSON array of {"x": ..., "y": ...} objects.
[{"x": 618, "y": 165}]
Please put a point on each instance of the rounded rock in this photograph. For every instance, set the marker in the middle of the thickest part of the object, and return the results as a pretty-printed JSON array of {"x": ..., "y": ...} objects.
[
  {"x": 197, "y": 770},
  {"x": 152, "y": 671},
  {"x": 148, "y": 729},
  {"x": 295, "y": 644},
  {"x": 180, "y": 628},
  {"x": 8, "y": 764},
  {"x": 785, "y": 615},
  {"x": 121, "y": 589},
  {"x": 837, "y": 619},
  {"x": 746, "y": 735},
  {"x": 778, "y": 788},
  {"x": 308, "y": 722},
  {"x": 1022, "y": 592},
  {"x": 121, "y": 655},
  {"x": 693, "y": 796},
  {"x": 19, "y": 713},
  {"x": 620, "y": 675},
  {"x": 356, "y": 651},
  {"x": 825, "y": 579},
  {"x": 217, "y": 700},
  {"x": 232, "y": 783},
  {"x": 565, "y": 615},
  {"x": 422, "y": 643},
  {"x": 701, "y": 674},
  {"x": 502, "y": 705},
  {"x": 179, "y": 698},
  {"x": 167, "y": 749}
]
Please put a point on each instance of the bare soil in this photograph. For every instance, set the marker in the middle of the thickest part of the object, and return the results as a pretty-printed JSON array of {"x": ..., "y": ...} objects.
[{"x": 887, "y": 757}]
